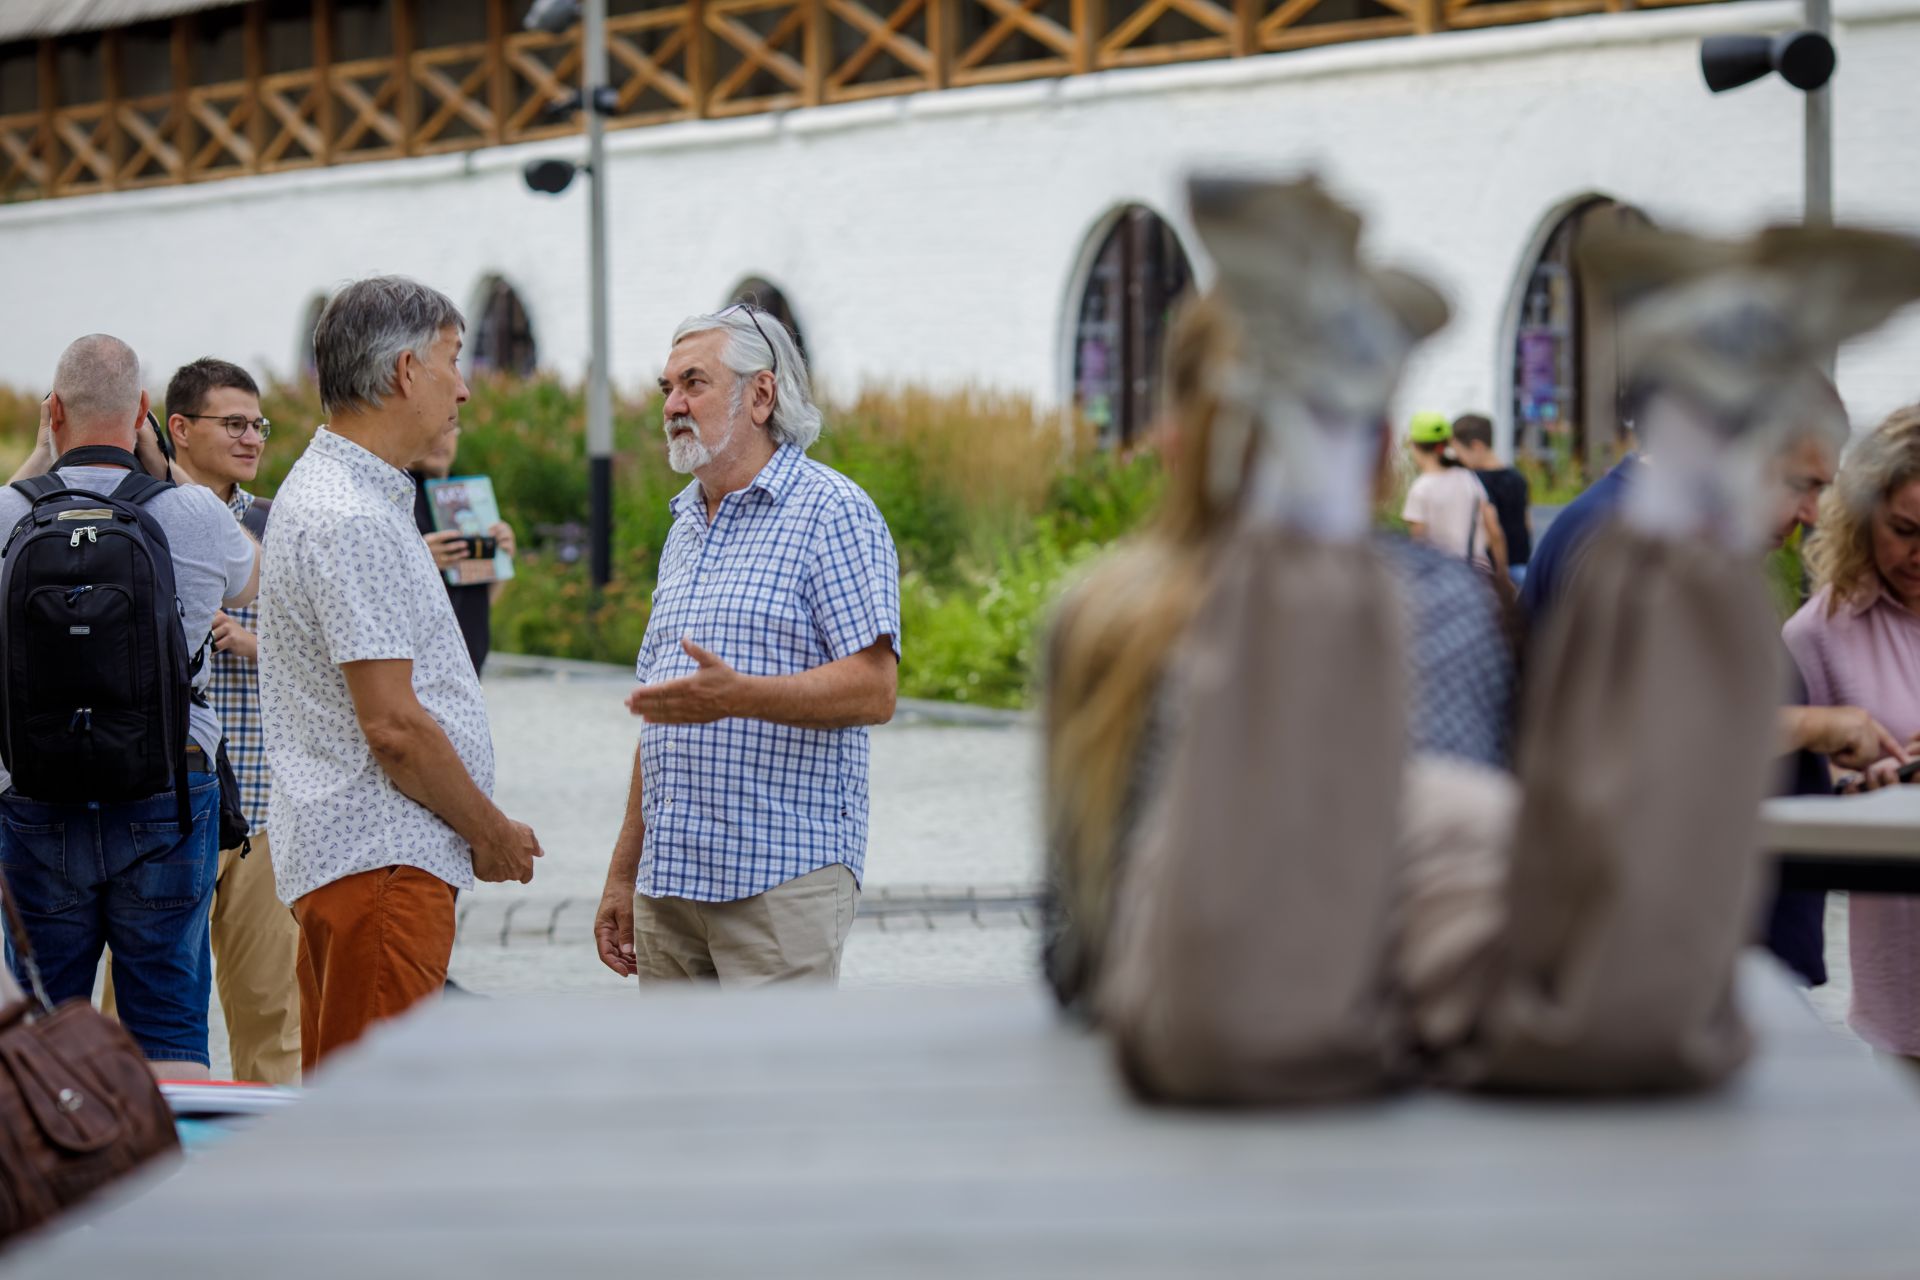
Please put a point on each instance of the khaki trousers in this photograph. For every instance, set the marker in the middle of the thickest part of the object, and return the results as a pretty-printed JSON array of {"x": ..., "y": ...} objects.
[
  {"x": 792, "y": 932},
  {"x": 372, "y": 945},
  {"x": 256, "y": 946}
]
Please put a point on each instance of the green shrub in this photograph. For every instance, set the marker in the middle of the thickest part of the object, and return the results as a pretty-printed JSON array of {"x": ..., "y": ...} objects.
[
  {"x": 977, "y": 640},
  {"x": 992, "y": 504}
]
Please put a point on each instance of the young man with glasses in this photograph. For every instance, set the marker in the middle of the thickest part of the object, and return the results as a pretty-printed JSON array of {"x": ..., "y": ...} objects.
[{"x": 219, "y": 435}]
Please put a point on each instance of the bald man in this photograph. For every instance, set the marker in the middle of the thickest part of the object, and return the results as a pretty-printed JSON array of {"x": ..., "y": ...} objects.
[{"x": 121, "y": 873}]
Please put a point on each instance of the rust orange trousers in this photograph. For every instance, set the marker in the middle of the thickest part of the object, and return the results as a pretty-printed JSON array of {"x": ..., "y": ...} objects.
[{"x": 371, "y": 946}]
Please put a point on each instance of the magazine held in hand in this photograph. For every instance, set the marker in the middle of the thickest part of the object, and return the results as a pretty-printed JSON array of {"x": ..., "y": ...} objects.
[{"x": 465, "y": 504}]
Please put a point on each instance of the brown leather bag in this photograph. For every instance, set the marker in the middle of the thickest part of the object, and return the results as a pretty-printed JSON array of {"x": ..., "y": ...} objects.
[{"x": 78, "y": 1106}]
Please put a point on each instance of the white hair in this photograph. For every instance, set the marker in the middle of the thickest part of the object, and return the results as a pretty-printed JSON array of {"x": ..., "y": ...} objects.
[
  {"x": 748, "y": 350},
  {"x": 98, "y": 380}
]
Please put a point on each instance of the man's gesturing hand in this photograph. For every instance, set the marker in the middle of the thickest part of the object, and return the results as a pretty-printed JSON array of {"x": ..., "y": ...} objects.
[
  {"x": 613, "y": 931},
  {"x": 507, "y": 853},
  {"x": 707, "y": 695}
]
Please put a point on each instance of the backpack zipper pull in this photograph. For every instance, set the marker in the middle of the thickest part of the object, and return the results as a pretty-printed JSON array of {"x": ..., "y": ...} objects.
[
  {"x": 82, "y": 718},
  {"x": 88, "y": 531},
  {"x": 74, "y": 593}
]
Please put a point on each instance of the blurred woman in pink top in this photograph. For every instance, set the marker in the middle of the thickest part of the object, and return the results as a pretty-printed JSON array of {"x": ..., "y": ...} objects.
[{"x": 1857, "y": 642}]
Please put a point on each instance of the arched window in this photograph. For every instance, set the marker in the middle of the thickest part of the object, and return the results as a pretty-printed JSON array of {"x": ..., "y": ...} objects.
[
  {"x": 1566, "y": 376},
  {"x": 502, "y": 331},
  {"x": 1138, "y": 275},
  {"x": 308, "y": 368},
  {"x": 768, "y": 298}
]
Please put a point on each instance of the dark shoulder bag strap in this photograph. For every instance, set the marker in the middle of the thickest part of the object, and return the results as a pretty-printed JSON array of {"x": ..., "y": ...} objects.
[
  {"x": 1479, "y": 513},
  {"x": 255, "y": 521},
  {"x": 23, "y": 946}
]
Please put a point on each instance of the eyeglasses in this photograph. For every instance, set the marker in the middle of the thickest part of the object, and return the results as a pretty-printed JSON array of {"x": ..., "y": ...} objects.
[
  {"x": 772, "y": 351},
  {"x": 236, "y": 424}
]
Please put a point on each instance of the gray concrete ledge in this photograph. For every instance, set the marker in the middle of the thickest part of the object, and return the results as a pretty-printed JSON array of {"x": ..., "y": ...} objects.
[{"x": 536, "y": 921}]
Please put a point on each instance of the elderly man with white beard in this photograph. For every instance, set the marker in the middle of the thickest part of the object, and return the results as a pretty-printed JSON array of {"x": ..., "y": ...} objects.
[{"x": 774, "y": 641}]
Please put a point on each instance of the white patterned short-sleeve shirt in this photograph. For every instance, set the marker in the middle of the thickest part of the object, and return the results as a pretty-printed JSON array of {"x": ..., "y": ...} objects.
[
  {"x": 347, "y": 578},
  {"x": 797, "y": 570}
]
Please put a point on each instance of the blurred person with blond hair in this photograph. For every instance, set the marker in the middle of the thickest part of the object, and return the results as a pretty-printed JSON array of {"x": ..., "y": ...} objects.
[
  {"x": 1109, "y": 719},
  {"x": 1857, "y": 644}
]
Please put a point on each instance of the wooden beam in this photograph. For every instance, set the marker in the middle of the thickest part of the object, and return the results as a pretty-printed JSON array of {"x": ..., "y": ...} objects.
[
  {"x": 1246, "y": 27},
  {"x": 699, "y": 57},
  {"x": 255, "y": 55},
  {"x": 323, "y": 75},
  {"x": 816, "y": 53},
  {"x": 408, "y": 106},
  {"x": 113, "y": 77},
  {"x": 182, "y": 57},
  {"x": 497, "y": 69},
  {"x": 940, "y": 37},
  {"x": 1429, "y": 16},
  {"x": 49, "y": 105},
  {"x": 1089, "y": 18}
]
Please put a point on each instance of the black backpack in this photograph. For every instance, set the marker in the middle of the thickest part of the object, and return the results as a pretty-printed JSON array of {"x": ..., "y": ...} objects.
[{"x": 95, "y": 675}]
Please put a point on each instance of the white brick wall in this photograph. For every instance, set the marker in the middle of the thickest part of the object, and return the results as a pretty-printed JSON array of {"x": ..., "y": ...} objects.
[{"x": 939, "y": 238}]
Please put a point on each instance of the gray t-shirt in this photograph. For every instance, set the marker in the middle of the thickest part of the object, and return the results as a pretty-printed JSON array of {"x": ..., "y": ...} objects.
[{"x": 212, "y": 560}]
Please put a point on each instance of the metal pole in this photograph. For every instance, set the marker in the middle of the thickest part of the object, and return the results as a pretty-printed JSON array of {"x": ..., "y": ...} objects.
[
  {"x": 1818, "y": 149},
  {"x": 593, "y": 75},
  {"x": 1819, "y": 144}
]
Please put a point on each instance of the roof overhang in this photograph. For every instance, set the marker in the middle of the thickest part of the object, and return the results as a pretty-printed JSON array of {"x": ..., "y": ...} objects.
[{"x": 30, "y": 19}]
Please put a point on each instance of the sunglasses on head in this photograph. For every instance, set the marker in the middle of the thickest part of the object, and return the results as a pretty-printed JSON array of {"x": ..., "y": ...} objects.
[{"x": 773, "y": 352}]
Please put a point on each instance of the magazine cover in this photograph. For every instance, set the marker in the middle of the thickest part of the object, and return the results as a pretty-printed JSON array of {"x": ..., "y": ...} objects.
[{"x": 465, "y": 504}]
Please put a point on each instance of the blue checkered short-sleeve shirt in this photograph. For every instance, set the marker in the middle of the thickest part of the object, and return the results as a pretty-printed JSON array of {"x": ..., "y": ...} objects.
[{"x": 797, "y": 570}]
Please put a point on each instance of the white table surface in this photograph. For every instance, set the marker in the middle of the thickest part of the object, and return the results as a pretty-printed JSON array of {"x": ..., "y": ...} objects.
[
  {"x": 1880, "y": 824},
  {"x": 965, "y": 1132}
]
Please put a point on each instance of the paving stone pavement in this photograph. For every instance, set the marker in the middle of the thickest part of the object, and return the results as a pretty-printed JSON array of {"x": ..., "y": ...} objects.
[{"x": 954, "y": 811}]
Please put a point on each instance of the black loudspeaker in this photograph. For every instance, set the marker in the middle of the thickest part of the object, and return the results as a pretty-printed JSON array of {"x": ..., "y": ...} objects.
[
  {"x": 549, "y": 176},
  {"x": 1804, "y": 59}
]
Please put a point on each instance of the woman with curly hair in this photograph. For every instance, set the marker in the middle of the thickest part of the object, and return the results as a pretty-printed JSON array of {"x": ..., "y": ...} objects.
[{"x": 1857, "y": 642}]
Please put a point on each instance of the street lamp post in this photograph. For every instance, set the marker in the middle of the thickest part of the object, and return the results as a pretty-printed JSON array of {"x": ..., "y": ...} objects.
[
  {"x": 596, "y": 97},
  {"x": 1819, "y": 111},
  {"x": 1805, "y": 60}
]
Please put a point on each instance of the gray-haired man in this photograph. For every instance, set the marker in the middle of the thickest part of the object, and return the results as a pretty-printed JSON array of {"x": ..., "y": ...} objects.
[
  {"x": 376, "y": 732},
  {"x": 773, "y": 643}
]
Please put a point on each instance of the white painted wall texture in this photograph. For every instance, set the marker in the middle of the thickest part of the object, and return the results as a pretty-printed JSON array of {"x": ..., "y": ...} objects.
[{"x": 940, "y": 239}]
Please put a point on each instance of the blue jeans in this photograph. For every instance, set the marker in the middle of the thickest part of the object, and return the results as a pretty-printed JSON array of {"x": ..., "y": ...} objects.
[{"x": 88, "y": 876}]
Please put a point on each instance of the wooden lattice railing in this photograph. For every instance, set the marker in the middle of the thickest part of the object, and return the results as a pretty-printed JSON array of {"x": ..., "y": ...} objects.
[{"x": 688, "y": 60}]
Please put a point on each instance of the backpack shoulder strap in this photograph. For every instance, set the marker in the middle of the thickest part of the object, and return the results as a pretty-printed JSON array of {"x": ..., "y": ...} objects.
[
  {"x": 255, "y": 521},
  {"x": 139, "y": 488},
  {"x": 38, "y": 487}
]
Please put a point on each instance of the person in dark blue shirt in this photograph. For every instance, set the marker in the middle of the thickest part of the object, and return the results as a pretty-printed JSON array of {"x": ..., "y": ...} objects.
[
  {"x": 1550, "y": 566},
  {"x": 1795, "y": 929}
]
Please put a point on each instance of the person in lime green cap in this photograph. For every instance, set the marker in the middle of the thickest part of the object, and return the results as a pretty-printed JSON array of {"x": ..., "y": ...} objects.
[{"x": 1447, "y": 507}]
